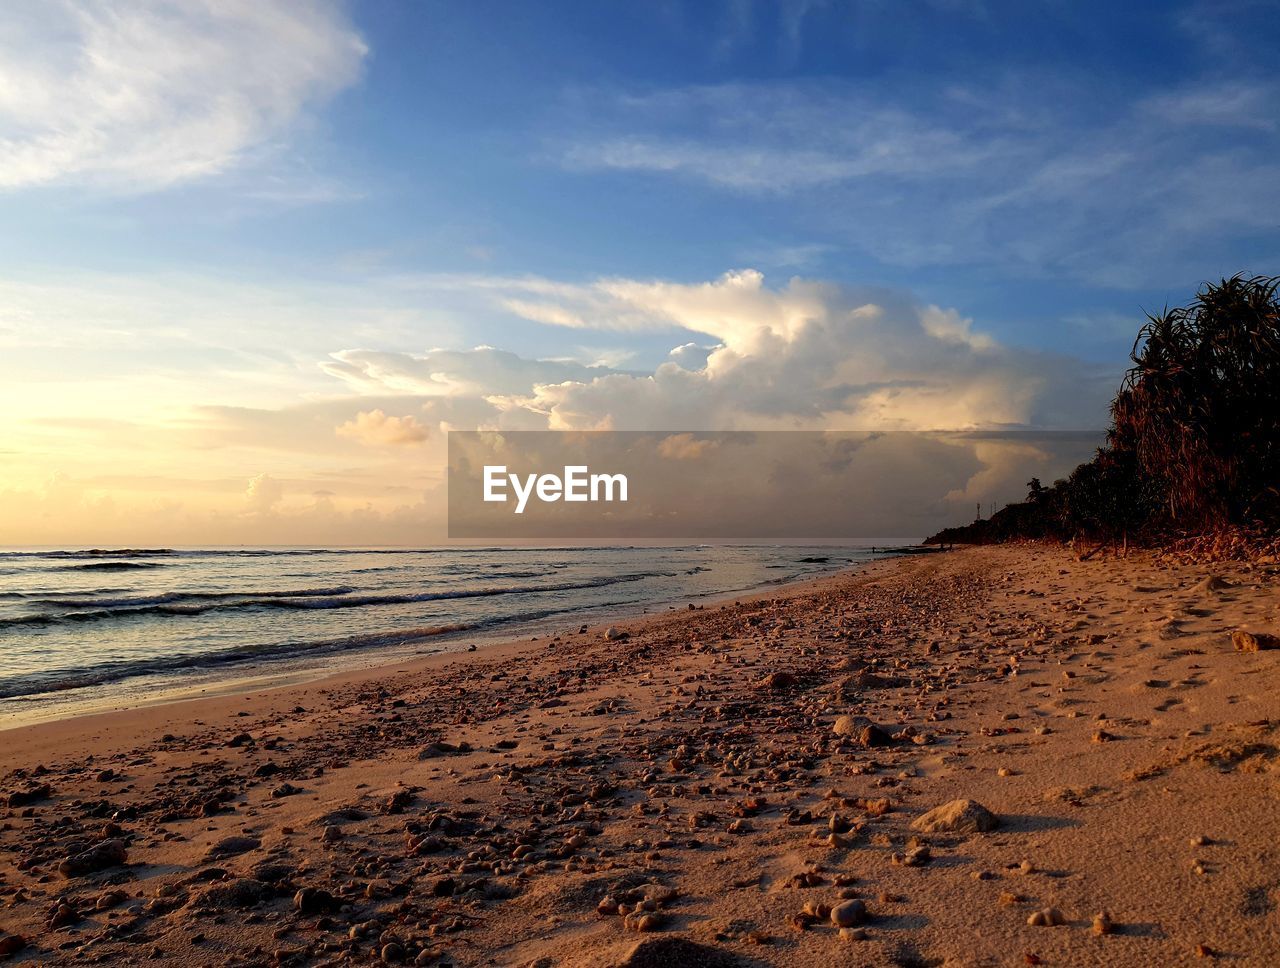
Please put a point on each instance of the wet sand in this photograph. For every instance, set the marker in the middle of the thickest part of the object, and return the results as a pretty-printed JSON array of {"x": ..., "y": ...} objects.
[{"x": 715, "y": 786}]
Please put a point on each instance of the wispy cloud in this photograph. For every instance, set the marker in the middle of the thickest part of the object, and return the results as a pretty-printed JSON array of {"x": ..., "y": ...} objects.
[
  {"x": 1041, "y": 175},
  {"x": 144, "y": 95}
]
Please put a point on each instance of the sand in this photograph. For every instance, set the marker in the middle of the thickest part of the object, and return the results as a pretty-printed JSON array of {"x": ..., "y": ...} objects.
[{"x": 704, "y": 789}]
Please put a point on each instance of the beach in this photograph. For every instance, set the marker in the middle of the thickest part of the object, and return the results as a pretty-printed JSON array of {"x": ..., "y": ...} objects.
[{"x": 751, "y": 781}]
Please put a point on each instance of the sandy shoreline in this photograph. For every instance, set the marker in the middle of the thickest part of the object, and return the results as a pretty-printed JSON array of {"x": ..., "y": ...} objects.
[
  {"x": 476, "y": 808},
  {"x": 307, "y": 669}
]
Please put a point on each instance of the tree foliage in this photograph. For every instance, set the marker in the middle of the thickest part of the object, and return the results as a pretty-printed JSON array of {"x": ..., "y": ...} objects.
[{"x": 1195, "y": 438}]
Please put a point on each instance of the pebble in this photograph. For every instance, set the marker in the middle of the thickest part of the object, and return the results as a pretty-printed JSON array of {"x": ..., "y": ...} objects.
[
  {"x": 313, "y": 900},
  {"x": 1254, "y": 641},
  {"x": 848, "y": 914},
  {"x": 11, "y": 945},
  {"x": 862, "y": 730},
  {"x": 231, "y": 847},
  {"x": 1049, "y": 917},
  {"x": 957, "y": 817},
  {"x": 99, "y": 857},
  {"x": 915, "y": 857},
  {"x": 1102, "y": 924}
]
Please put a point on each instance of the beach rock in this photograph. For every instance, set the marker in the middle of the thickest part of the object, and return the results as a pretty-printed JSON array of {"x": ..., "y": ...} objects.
[
  {"x": 849, "y": 914},
  {"x": 32, "y": 794},
  {"x": 231, "y": 847},
  {"x": 440, "y": 748},
  {"x": 109, "y": 853},
  {"x": 62, "y": 916},
  {"x": 272, "y": 872},
  {"x": 957, "y": 817},
  {"x": 1102, "y": 924},
  {"x": 614, "y": 634},
  {"x": 314, "y": 900},
  {"x": 1254, "y": 641},
  {"x": 11, "y": 944},
  {"x": 915, "y": 857},
  {"x": 668, "y": 952},
  {"x": 862, "y": 730},
  {"x": 1047, "y": 918},
  {"x": 240, "y": 892},
  {"x": 778, "y": 681},
  {"x": 285, "y": 790},
  {"x": 110, "y": 899}
]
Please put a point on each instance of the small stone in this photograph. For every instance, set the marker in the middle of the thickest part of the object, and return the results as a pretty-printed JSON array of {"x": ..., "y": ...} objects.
[
  {"x": 1254, "y": 641},
  {"x": 231, "y": 847},
  {"x": 853, "y": 934},
  {"x": 109, "y": 853},
  {"x": 817, "y": 909},
  {"x": 915, "y": 857},
  {"x": 1049, "y": 917},
  {"x": 22, "y": 798},
  {"x": 848, "y": 914},
  {"x": 957, "y": 817},
  {"x": 392, "y": 952},
  {"x": 109, "y": 899},
  {"x": 778, "y": 681},
  {"x": 642, "y": 921},
  {"x": 1102, "y": 924},
  {"x": 313, "y": 900},
  {"x": 11, "y": 945},
  {"x": 862, "y": 731},
  {"x": 615, "y": 634}
]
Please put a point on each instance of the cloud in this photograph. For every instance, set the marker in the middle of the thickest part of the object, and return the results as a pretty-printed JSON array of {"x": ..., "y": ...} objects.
[
  {"x": 263, "y": 493},
  {"x": 143, "y": 95},
  {"x": 374, "y": 428},
  {"x": 808, "y": 354},
  {"x": 1036, "y": 174},
  {"x": 368, "y": 423},
  {"x": 480, "y": 372}
]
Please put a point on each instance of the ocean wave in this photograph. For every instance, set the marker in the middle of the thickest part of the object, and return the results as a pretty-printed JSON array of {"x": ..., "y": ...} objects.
[
  {"x": 167, "y": 598},
  {"x": 31, "y": 687},
  {"x": 314, "y": 602},
  {"x": 61, "y": 680},
  {"x": 110, "y": 566}
]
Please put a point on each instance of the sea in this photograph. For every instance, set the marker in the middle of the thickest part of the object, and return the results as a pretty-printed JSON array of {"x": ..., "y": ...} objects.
[{"x": 89, "y": 629}]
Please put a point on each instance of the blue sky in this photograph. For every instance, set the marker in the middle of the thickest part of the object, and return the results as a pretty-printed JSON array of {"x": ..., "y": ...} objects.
[{"x": 275, "y": 210}]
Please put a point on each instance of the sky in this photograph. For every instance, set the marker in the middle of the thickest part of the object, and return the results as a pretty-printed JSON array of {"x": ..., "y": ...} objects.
[{"x": 261, "y": 256}]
